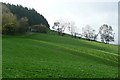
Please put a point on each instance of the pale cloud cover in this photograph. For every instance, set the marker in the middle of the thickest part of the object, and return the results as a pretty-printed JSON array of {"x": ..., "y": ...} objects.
[{"x": 82, "y": 12}]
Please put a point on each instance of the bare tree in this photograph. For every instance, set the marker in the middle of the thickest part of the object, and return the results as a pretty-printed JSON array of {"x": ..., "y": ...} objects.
[
  {"x": 72, "y": 28},
  {"x": 106, "y": 33},
  {"x": 60, "y": 26},
  {"x": 89, "y": 33}
]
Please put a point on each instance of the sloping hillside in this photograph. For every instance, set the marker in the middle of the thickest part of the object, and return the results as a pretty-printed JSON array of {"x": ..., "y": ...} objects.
[{"x": 45, "y": 55}]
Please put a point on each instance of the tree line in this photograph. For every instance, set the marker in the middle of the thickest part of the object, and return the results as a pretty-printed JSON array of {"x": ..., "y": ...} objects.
[
  {"x": 105, "y": 31},
  {"x": 19, "y": 19}
]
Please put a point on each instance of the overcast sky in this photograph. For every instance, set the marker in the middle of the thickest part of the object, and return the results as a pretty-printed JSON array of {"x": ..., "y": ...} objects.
[{"x": 83, "y": 12}]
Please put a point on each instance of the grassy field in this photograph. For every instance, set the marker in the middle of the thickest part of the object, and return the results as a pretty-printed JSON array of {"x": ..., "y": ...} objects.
[{"x": 53, "y": 56}]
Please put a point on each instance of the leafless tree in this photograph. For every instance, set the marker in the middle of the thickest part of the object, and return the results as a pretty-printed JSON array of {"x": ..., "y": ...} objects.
[
  {"x": 60, "y": 26},
  {"x": 89, "y": 33},
  {"x": 106, "y": 33},
  {"x": 72, "y": 28}
]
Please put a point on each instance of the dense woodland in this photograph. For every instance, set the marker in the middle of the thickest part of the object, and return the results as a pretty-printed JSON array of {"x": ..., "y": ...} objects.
[{"x": 19, "y": 19}]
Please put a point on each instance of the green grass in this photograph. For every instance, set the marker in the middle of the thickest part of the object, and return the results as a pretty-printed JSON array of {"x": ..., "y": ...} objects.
[{"x": 53, "y": 56}]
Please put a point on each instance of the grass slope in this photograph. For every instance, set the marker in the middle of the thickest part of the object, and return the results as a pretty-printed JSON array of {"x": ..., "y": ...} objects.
[{"x": 47, "y": 56}]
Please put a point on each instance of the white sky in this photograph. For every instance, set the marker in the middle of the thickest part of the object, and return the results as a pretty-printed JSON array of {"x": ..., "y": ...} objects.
[{"x": 82, "y": 12}]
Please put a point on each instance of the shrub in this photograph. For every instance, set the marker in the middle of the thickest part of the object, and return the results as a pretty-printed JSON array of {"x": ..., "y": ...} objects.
[
  {"x": 39, "y": 28},
  {"x": 9, "y": 28}
]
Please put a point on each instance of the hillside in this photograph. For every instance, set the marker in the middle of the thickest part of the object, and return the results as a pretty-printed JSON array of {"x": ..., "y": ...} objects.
[{"x": 47, "y": 56}]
